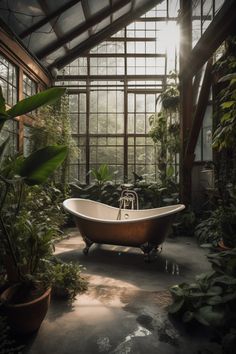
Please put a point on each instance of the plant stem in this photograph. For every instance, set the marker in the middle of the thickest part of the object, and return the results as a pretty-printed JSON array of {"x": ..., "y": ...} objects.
[
  {"x": 5, "y": 231},
  {"x": 19, "y": 199},
  {"x": 10, "y": 247}
]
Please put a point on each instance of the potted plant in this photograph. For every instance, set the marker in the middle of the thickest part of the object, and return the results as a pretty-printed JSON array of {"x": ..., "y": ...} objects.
[
  {"x": 25, "y": 302},
  {"x": 65, "y": 279}
]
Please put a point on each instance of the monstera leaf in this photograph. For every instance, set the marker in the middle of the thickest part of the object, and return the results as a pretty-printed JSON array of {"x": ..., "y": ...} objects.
[{"x": 37, "y": 167}]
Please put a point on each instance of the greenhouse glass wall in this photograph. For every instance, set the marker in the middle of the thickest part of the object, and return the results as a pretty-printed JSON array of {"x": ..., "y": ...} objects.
[{"x": 114, "y": 90}]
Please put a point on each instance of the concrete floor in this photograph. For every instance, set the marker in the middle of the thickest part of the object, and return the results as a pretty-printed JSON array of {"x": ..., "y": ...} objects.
[{"x": 124, "y": 309}]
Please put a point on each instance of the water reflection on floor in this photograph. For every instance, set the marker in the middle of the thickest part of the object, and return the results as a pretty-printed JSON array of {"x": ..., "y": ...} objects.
[{"x": 125, "y": 307}]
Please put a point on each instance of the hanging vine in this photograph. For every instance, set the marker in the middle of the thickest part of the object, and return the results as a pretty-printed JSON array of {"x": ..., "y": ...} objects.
[
  {"x": 53, "y": 126},
  {"x": 165, "y": 132}
]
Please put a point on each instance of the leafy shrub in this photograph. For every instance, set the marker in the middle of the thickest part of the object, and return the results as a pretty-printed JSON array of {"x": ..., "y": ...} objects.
[
  {"x": 66, "y": 279},
  {"x": 151, "y": 195},
  {"x": 184, "y": 223},
  {"x": 210, "y": 230},
  {"x": 211, "y": 299},
  {"x": 221, "y": 225}
]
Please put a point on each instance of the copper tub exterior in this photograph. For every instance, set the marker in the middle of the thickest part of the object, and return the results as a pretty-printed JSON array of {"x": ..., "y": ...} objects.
[{"x": 98, "y": 223}]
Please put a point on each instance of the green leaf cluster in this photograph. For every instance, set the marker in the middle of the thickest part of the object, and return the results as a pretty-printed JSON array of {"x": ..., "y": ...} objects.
[
  {"x": 165, "y": 131},
  {"x": 15, "y": 175},
  {"x": 102, "y": 174},
  {"x": 211, "y": 299},
  {"x": 66, "y": 279},
  {"x": 225, "y": 134}
]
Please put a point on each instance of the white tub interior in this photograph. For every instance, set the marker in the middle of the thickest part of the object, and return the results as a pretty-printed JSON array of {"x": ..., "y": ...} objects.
[{"x": 90, "y": 209}]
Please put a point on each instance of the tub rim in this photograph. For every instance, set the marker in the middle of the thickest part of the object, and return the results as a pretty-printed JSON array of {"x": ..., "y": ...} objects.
[{"x": 176, "y": 208}]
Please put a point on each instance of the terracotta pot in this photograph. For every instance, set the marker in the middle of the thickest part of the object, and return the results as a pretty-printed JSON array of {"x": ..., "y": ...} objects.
[{"x": 26, "y": 317}]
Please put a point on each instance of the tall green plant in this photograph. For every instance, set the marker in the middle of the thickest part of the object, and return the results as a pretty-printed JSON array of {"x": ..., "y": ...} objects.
[
  {"x": 35, "y": 169},
  {"x": 225, "y": 133},
  {"x": 165, "y": 131}
]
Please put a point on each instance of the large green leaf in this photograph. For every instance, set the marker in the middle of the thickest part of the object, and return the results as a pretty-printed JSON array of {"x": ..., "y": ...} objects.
[
  {"x": 2, "y": 149},
  {"x": 37, "y": 167},
  {"x": 29, "y": 104}
]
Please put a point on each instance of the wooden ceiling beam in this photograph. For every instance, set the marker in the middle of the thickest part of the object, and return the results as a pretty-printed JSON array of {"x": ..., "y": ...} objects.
[
  {"x": 56, "y": 28},
  {"x": 87, "y": 14},
  {"x": 103, "y": 34},
  {"x": 48, "y": 18},
  {"x": 92, "y": 21}
]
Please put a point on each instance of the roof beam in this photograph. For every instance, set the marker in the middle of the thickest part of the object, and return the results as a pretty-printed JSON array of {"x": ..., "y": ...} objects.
[
  {"x": 111, "y": 77},
  {"x": 56, "y": 28},
  {"x": 48, "y": 18},
  {"x": 104, "y": 33},
  {"x": 220, "y": 27},
  {"x": 87, "y": 14},
  {"x": 111, "y": 15},
  {"x": 93, "y": 21}
]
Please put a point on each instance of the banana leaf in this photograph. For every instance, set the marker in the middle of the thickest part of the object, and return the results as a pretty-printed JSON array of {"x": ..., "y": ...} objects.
[
  {"x": 37, "y": 167},
  {"x": 2, "y": 149},
  {"x": 29, "y": 104}
]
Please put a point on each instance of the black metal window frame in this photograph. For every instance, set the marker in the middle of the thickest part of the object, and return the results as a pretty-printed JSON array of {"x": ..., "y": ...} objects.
[
  {"x": 136, "y": 83},
  {"x": 29, "y": 86},
  {"x": 9, "y": 80}
]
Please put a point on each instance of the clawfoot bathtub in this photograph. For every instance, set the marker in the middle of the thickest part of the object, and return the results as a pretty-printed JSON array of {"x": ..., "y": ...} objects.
[{"x": 98, "y": 223}]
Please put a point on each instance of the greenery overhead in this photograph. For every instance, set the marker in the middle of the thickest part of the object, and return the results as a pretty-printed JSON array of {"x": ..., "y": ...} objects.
[{"x": 29, "y": 104}]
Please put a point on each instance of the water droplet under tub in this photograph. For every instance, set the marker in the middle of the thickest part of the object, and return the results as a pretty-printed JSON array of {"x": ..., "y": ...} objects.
[{"x": 126, "y": 216}]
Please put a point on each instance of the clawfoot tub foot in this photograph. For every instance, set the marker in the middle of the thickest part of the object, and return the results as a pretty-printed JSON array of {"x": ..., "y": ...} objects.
[
  {"x": 88, "y": 244},
  {"x": 157, "y": 249},
  {"x": 148, "y": 249}
]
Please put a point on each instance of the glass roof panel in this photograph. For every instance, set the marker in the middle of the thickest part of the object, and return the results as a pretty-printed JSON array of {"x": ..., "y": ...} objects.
[
  {"x": 71, "y": 18},
  {"x": 43, "y": 25},
  {"x": 19, "y": 15},
  {"x": 101, "y": 25},
  {"x": 121, "y": 12},
  {"x": 41, "y": 38},
  {"x": 95, "y": 6},
  {"x": 78, "y": 40}
]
